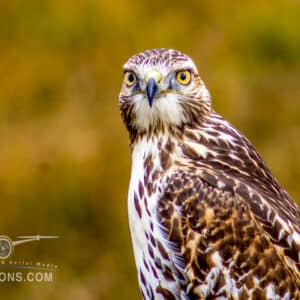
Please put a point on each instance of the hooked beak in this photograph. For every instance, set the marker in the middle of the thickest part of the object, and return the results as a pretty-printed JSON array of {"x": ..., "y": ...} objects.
[
  {"x": 151, "y": 90},
  {"x": 153, "y": 79}
]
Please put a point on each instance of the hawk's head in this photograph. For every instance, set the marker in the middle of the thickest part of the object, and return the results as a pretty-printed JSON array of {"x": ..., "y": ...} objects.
[{"x": 161, "y": 88}]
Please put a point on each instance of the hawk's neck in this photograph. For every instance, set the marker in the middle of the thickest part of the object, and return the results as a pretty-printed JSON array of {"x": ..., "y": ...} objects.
[{"x": 212, "y": 144}]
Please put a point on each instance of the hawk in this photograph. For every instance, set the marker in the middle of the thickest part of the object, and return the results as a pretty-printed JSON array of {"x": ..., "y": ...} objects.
[{"x": 207, "y": 218}]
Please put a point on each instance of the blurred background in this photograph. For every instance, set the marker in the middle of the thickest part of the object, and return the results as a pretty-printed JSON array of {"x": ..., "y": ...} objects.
[{"x": 64, "y": 152}]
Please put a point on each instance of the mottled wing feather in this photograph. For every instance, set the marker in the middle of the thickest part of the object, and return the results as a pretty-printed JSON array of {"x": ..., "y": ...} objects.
[{"x": 225, "y": 247}]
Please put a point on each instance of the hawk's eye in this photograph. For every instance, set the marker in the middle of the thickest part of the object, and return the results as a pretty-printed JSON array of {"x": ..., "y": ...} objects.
[
  {"x": 130, "y": 78},
  {"x": 183, "y": 77}
]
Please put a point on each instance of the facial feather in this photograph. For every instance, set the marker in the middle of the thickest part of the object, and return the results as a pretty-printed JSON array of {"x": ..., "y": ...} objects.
[{"x": 175, "y": 104}]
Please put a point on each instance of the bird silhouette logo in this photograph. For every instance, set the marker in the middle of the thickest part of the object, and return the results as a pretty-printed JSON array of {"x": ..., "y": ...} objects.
[{"x": 7, "y": 245}]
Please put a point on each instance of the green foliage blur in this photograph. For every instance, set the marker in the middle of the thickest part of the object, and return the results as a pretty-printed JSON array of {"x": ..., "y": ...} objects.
[{"x": 64, "y": 154}]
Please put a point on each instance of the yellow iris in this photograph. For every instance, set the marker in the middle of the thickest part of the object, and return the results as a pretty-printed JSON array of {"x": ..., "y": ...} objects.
[
  {"x": 183, "y": 77},
  {"x": 130, "y": 78}
]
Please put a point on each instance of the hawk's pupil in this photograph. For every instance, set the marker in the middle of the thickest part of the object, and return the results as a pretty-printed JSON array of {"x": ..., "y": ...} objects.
[
  {"x": 131, "y": 77},
  {"x": 182, "y": 76}
]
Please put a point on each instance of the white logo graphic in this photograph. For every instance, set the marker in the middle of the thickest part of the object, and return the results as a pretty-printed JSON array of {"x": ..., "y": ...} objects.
[{"x": 7, "y": 245}]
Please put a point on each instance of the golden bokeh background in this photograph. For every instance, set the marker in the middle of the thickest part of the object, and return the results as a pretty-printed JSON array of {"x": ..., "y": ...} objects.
[{"x": 64, "y": 152}]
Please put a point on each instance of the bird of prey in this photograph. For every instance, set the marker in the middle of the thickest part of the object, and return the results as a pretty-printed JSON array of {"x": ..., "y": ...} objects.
[{"x": 207, "y": 218}]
